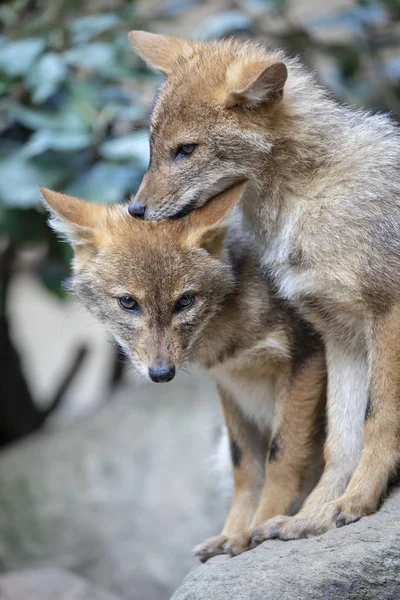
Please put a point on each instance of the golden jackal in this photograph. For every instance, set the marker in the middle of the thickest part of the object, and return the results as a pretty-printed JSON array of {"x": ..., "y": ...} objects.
[{"x": 184, "y": 291}]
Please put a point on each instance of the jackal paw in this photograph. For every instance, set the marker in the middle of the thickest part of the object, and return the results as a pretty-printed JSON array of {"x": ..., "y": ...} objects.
[
  {"x": 237, "y": 544},
  {"x": 210, "y": 547},
  {"x": 351, "y": 508},
  {"x": 223, "y": 544},
  {"x": 296, "y": 527}
]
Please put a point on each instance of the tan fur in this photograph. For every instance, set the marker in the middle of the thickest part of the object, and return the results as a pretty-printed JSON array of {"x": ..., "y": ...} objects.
[
  {"x": 268, "y": 364},
  {"x": 160, "y": 50},
  {"x": 324, "y": 202}
]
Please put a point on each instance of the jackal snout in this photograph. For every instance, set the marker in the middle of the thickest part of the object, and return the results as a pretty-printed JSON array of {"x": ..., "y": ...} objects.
[
  {"x": 159, "y": 348},
  {"x": 162, "y": 373}
]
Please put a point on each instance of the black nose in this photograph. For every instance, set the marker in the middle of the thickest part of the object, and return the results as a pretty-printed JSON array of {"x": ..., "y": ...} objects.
[
  {"x": 162, "y": 373},
  {"x": 136, "y": 209}
]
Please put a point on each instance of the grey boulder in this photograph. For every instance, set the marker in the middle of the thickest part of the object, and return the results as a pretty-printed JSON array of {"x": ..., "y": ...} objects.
[
  {"x": 357, "y": 562},
  {"x": 48, "y": 584}
]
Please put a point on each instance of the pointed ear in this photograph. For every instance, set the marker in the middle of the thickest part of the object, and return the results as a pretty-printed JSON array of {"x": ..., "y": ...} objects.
[
  {"x": 74, "y": 220},
  {"x": 255, "y": 84},
  {"x": 159, "y": 51},
  {"x": 208, "y": 224}
]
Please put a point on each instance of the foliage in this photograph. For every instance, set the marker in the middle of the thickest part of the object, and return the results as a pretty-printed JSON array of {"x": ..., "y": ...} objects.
[
  {"x": 71, "y": 110},
  {"x": 70, "y": 115}
]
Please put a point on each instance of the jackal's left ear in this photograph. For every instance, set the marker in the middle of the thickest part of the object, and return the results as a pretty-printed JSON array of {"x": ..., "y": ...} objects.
[
  {"x": 159, "y": 51},
  {"x": 255, "y": 84},
  {"x": 208, "y": 224},
  {"x": 74, "y": 220}
]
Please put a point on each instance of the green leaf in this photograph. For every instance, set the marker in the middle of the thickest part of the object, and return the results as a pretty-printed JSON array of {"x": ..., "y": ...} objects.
[
  {"x": 276, "y": 5},
  {"x": 95, "y": 57},
  {"x": 102, "y": 59},
  {"x": 19, "y": 181},
  {"x": 23, "y": 226},
  {"x": 46, "y": 76},
  {"x": 224, "y": 24},
  {"x": 106, "y": 182},
  {"x": 349, "y": 58},
  {"x": 20, "y": 177},
  {"x": 53, "y": 274},
  {"x": 134, "y": 146},
  {"x": 85, "y": 29},
  {"x": 5, "y": 83},
  {"x": 129, "y": 113},
  {"x": 33, "y": 118},
  {"x": 16, "y": 58},
  {"x": 62, "y": 141}
]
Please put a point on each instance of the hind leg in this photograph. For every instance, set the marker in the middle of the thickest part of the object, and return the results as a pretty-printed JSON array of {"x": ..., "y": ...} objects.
[{"x": 381, "y": 453}]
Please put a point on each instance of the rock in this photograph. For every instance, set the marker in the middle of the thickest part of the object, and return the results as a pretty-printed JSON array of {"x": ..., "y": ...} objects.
[
  {"x": 120, "y": 497},
  {"x": 48, "y": 584},
  {"x": 357, "y": 562}
]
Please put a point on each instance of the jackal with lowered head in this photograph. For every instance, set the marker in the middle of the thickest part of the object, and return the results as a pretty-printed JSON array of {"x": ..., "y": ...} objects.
[{"x": 192, "y": 291}]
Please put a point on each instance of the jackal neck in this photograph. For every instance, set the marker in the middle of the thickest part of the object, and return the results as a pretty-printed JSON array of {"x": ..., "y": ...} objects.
[{"x": 244, "y": 315}]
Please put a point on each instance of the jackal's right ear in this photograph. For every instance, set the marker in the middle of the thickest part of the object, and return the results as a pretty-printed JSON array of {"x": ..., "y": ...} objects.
[
  {"x": 159, "y": 51},
  {"x": 254, "y": 84},
  {"x": 208, "y": 224},
  {"x": 74, "y": 220}
]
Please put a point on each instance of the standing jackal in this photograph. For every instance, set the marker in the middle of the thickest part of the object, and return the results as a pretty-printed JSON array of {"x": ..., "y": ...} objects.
[
  {"x": 324, "y": 202},
  {"x": 187, "y": 291}
]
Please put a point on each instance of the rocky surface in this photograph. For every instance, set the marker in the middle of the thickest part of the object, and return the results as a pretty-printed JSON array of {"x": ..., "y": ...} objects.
[
  {"x": 357, "y": 562},
  {"x": 48, "y": 584},
  {"x": 120, "y": 497}
]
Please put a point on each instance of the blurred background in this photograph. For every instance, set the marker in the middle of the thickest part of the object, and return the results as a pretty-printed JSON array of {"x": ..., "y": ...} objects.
[{"x": 100, "y": 474}]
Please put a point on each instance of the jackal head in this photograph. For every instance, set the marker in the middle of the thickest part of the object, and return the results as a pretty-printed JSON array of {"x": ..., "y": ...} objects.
[
  {"x": 156, "y": 285},
  {"x": 214, "y": 122}
]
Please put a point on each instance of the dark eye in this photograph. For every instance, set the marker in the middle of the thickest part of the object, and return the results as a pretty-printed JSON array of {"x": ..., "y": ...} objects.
[
  {"x": 184, "y": 302},
  {"x": 185, "y": 150},
  {"x": 128, "y": 303}
]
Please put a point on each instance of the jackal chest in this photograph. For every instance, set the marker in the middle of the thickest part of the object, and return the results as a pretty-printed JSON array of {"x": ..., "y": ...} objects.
[
  {"x": 309, "y": 271},
  {"x": 253, "y": 377},
  {"x": 256, "y": 398},
  {"x": 286, "y": 258},
  {"x": 284, "y": 245}
]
